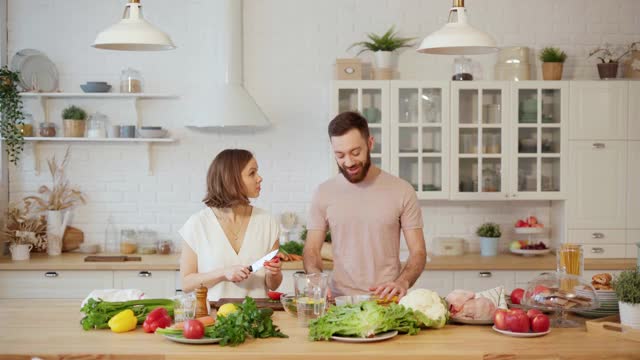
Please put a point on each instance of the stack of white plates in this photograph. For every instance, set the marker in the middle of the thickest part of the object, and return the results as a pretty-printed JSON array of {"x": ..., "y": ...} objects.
[{"x": 608, "y": 304}]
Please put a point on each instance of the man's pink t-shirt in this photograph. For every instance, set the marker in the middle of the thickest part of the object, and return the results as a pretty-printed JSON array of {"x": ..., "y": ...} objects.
[{"x": 365, "y": 220}]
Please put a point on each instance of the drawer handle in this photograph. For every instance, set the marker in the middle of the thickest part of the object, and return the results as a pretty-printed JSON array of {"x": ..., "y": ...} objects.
[
  {"x": 597, "y": 235},
  {"x": 598, "y": 146},
  {"x": 51, "y": 274},
  {"x": 597, "y": 250},
  {"x": 144, "y": 274},
  {"x": 485, "y": 274}
]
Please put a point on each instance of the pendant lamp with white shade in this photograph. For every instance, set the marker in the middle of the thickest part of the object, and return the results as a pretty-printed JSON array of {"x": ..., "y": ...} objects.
[
  {"x": 133, "y": 33},
  {"x": 457, "y": 37}
]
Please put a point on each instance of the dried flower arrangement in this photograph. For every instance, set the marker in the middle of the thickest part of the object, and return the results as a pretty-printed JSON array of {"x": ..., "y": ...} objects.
[
  {"x": 62, "y": 195},
  {"x": 22, "y": 227}
]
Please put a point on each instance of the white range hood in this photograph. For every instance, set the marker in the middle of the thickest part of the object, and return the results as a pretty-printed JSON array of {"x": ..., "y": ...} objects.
[{"x": 229, "y": 103}]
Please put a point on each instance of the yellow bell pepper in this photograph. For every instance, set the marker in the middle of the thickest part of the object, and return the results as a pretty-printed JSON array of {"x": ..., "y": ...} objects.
[{"x": 123, "y": 321}]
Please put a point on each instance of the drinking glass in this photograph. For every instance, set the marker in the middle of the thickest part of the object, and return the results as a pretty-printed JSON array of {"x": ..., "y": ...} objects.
[{"x": 184, "y": 307}]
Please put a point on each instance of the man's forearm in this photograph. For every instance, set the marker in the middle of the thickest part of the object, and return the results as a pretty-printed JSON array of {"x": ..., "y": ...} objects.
[
  {"x": 312, "y": 262},
  {"x": 413, "y": 269}
]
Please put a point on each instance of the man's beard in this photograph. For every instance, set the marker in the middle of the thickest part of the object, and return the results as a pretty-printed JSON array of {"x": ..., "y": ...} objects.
[{"x": 364, "y": 169}]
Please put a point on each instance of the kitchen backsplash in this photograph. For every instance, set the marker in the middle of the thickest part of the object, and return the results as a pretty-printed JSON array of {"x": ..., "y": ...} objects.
[{"x": 290, "y": 80}]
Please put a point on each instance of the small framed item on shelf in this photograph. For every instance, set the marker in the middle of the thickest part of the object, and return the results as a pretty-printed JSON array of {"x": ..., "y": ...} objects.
[{"x": 349, "y": 69}]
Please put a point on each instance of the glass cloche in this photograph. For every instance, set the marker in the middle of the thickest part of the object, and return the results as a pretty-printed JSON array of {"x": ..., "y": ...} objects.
[{"x": 562, "y": 293}]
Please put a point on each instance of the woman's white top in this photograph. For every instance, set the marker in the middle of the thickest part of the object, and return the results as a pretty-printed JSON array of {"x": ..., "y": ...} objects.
[{"x": 204, "y": 234}]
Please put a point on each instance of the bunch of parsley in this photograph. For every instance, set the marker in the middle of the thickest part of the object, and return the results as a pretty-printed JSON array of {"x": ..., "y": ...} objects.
[{"x": 248, "y": 321}]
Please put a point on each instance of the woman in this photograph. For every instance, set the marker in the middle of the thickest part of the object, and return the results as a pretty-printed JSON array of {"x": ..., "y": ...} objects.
[{"x": 223, "y": 239}]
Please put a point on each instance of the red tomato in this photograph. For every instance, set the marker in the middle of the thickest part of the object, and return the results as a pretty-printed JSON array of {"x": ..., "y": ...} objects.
[
  {"x": 500, "y": 319},
  {"x": 516, "y": 296},
  {"x": 193, "y": 329},
  {"x": 540, "y": 323},
  {"x": 274, "y": 295}
]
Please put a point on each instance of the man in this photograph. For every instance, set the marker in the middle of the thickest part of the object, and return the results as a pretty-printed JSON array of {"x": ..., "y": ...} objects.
[{"x": 365, "y": 208}]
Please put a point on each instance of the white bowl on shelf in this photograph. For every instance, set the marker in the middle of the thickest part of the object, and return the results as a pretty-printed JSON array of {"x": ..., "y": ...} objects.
[{"x": 152, "y": 133}]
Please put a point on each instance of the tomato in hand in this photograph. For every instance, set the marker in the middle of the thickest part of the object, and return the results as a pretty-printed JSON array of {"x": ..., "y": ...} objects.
[
  {"x": 274, "y": 295},
  {"x": 193, "y": 329}
]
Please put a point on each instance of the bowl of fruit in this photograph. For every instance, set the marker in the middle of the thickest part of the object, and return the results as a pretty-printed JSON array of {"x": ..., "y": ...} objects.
[
  {"x": 529, "y": 226},
  {"x": 521, "y": 323},
  {"x": 522, "y": 247}
]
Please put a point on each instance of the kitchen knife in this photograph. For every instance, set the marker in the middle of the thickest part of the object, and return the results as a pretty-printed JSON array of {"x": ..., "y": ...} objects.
[{"x": 260, "y": 263}]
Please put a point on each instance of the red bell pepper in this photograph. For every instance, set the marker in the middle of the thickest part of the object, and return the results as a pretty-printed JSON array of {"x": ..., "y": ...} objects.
[{"x": 157, "y": 318}]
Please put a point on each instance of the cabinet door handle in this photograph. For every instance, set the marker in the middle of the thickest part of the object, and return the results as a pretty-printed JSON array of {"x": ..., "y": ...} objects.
[
  {"x": 485, "y": 274},
  {"x": 51, "y": 274},
  {"x": 598, "y": 146},
  {"x": 597, "y": 235},
  {"x": 597, "y": 250},
  {"x": 144, "y": 274}
]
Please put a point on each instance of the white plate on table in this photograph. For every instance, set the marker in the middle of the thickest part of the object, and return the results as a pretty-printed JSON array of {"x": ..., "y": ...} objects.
[
  {"x": 378, "y": 337},
  {"x": 526, "y": 252},
  {"x": 183, "y": 340},
  {"x": 521, "y": 335},
  {"x": 472, "y": 322}
]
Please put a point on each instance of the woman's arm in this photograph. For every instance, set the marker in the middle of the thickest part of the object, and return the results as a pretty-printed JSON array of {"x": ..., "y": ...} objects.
[
  {"x": 273, "y": 270},
  {"x": 191, "y": 278}
]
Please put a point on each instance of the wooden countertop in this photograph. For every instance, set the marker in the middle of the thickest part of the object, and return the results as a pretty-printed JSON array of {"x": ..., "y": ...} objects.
[
  {"x": 50, "y": 330},
  {"x": 75, "y": 261}
]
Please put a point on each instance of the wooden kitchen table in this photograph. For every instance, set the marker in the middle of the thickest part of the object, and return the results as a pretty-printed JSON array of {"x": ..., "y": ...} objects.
[{"x": 50, "y": 329}]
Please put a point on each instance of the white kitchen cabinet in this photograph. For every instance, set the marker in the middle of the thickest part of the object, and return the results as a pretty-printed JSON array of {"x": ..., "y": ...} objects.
[
  {"x": 154, "y": 284},
  {"x": 597, "y": 185},
  {"x": 599, "y": 110},
  {"x": 479, "y": 145},
  {"x": 66, "y": 284},
  {"x": 598, "y": 236},
  {"x": 371, "y": 99},
  {"x": 538, "y": 139},
  {"x": 633, "y": 184},
  {"x": 420, "y": 136},
  {"x": 439, "y": 281},
  {"x": 483, "y": 280},
  {"x": 604, "y": 251},
  {"x": 634, "y": 110}
]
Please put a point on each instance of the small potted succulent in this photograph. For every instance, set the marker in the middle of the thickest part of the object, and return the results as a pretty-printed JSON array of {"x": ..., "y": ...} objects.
[
  {"x": 627, "y": 288},
  {"x": 383, "y": 47},
  {"x": 74, "y": 121},
  {"x": 489, "y": 234},
  {"x": 552, "y": 62},
  {"x": 610, "y": 57}
]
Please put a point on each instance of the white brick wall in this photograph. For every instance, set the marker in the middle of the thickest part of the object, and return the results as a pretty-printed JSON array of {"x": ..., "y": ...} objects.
[{"x": 290, "y": 46}]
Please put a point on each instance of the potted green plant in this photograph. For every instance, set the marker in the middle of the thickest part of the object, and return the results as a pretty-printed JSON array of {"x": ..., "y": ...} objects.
[
  {"x": 11, "y": 110},
  {"x": 552, "y": 61},
  {"x": 627, "y": 288},
  {"x": 383, "y": 46},
  {"x": 610, "y": 57},
  {"x": 489, "y": 234},
  {"x": 74, "y": 121}
]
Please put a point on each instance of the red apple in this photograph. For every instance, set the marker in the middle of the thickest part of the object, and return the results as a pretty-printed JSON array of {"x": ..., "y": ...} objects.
[
  {"x": 540, "y": 323},
  {"x": 532, "y": 220},
  {"x": 532, "y": 313},
  {"x": 500, "y": 319},
  {"x": 516, "y": 295},
  {"x": 518, "y": 322},
  {"x": 540, "y": 289},
  {"x": 521, "y": 223}
]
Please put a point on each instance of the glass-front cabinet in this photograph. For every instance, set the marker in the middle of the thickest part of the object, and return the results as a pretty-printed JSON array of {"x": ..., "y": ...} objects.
[
  {"x": 371, "y": 99},
  {"x": 539, "y": 118},
  {"x": 420, "y": 136},
  {"x": 479, "y": 145}
]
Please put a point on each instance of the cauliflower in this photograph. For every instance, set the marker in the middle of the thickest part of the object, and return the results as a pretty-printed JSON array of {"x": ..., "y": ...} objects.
[{"x": 430, "y": 309}]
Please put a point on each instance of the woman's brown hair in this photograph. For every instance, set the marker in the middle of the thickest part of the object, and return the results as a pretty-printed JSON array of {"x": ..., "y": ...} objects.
[{"x": 225, "y": 187}]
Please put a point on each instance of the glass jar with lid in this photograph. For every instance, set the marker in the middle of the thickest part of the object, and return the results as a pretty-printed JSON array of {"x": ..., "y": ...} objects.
[
  {"x": 462, "y": 69},
  {"x": 128, "y": 241},
  {"x": 97, "y": 126},
  {"x": 26, "y": 128},
  {"x": 130, "y": 81},
  {"x": 47, "y": 129}
]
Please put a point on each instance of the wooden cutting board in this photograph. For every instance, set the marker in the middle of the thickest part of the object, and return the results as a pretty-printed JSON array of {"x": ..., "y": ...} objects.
[
  {"x": 115, "y": 258},
  {"x": 275, "y": 305}
]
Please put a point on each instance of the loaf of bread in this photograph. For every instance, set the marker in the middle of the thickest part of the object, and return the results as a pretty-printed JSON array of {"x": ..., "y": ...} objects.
[{"x": 602, "y": 279}]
